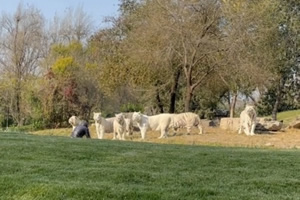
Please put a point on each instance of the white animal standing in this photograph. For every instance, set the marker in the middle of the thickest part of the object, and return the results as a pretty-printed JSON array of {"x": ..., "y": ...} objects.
[
  {"x": 160, "y": 122},
  {"x": 248, "y": 120},
  {"x": 119, "y": 127},
  {"x": 186, "y": 120},
  {"x": 128, "y": 123},
  {"x": 103, "y": 125},
  {"x": 128, "y": 126}
]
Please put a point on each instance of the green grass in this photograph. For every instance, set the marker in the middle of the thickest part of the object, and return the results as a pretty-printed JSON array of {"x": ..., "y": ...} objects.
[
  {"x": 288, "y": 116},
  {"x": 53, "y": 167}
]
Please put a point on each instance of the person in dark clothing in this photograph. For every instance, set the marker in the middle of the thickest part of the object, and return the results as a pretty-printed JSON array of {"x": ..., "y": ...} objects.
[{"x": 80, "y": 131}]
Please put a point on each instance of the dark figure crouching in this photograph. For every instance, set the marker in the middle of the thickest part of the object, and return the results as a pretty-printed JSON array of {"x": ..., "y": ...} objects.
[{"x": 80, "y": 131}]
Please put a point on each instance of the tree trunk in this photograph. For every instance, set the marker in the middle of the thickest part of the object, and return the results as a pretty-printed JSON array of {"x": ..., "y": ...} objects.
[
  {"x": 232, "y": 105},
  {"x": 16, "y": 109},
  {"x": 159, "y": 102},
  {"x": 188, "y": 98},
  {"x": 174, "y": 91},
  {"x": 275, "y": 108},
  {"x": 278, "y": 99},
  {"x": 18, "y": 67}
]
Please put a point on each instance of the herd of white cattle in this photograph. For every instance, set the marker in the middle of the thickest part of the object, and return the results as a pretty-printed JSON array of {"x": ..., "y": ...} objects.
[{"x": 123, "y": 124}]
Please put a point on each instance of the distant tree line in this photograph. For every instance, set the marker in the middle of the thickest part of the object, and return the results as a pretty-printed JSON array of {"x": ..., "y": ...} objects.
[{"x": 155, "y": 56}]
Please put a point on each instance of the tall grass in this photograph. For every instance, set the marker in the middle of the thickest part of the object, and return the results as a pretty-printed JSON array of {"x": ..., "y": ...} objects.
[
  {"x": 288, "y": 116},
  {"x": 52, "y": 167}
]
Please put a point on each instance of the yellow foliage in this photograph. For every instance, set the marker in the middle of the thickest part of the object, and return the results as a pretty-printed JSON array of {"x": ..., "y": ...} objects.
[
  {"x": 235, "y": 3},
  {"x": 64, "y": 50},
  {"x": 59, "y": 49},
  {"x": 91, "y": 66},
  {"x": 75, "y": 46},
  {"x": 61, "y": 65}
]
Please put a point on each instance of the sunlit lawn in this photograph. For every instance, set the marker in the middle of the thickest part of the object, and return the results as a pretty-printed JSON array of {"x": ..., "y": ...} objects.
[
  {"x": 288, "y": 116},
  {"x": 54, "y": 167}
]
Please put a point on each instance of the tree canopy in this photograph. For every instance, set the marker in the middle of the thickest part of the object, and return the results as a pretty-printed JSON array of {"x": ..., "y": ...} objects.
[{"x": 155, "y": 56}]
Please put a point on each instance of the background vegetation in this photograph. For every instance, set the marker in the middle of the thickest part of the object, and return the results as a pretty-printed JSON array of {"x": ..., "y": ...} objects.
[{"x": 156, "y": 56}]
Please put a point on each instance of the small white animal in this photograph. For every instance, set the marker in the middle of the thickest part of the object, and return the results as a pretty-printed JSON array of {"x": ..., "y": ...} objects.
[
  {"x": 119, "y": 127},
  {"x": 129, "y": 124},
  {"x": 186, "y": 120},
  {"x": 160, "y": 122},
  {"x": 103, "y": 125},
  {"x": 248, "y": 120}
]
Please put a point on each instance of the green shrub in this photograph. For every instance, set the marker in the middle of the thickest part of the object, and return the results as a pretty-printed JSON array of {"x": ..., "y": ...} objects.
[{"x": 130, "y": 107}]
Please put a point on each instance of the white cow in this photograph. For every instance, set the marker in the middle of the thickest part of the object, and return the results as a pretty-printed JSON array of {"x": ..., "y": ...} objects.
[
  {"x": 103, "y": 125},
  {"x": 248, "y": 120},
  {"x": 186, "y": 120},
  {"x": 128, "y": 126},
  {"x": 119, "y": 127},
  {"x": 159, "y": 122},
  {"x": 128, "y": 123}
]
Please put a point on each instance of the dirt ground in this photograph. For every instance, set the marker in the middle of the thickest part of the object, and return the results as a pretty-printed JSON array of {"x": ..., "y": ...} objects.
[{"x": 213, "y": 136}]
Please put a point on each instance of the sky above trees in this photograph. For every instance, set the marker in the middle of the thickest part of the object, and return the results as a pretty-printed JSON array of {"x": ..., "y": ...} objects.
[{"x": 96, "y": 9}]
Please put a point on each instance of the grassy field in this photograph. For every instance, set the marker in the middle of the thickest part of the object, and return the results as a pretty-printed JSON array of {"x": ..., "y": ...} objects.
[
  {"x": 288, "y": 116},
  {"x": 55, "y": 167}
]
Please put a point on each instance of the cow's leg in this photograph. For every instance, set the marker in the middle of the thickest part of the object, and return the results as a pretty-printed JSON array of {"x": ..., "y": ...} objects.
[
  {"x": 163, "y": 133},
  {"x": 174, "y": 131},
  {"x": 240, "y": 129},
  {"x": 252, "y": 128},
  {"x": 123, "y": 136},
  {"x": 129, "y": 129},
  {"x": 101, "y": 133},
  {"x": 97, "y": 131},
  {"x": 188, "y": 129},
  {"x": 143, "y": 133},
  {"x": 247, "y": 129},
  {"x": 129, "y": 132},
  {"x": 200, "y": 129}
]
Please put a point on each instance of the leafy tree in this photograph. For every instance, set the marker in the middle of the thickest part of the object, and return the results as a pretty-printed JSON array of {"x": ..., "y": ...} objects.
[
  {"x": 283, "y": 93},
  {"x": 288, "y": 48},
  {"x": 168, "y": 39},
  {"x": 247, "y": 58},
  {"x": 70, "y": 85}
]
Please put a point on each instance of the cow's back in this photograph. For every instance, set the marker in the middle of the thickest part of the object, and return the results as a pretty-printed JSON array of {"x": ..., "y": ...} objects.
[
  {"x": 109, "y": 124},
  {"x": 157, "y": 122}
]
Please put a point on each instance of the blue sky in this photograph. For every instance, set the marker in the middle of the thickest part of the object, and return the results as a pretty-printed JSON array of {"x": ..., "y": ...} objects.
[{"x": 96, "y": 9}]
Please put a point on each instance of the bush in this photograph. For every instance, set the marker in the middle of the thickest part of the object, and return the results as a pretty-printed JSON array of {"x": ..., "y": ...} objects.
[
  {"x": 130, "y": 107},
  {"x": 38, "y": 125},
  {"x": 26, "y": 128}
]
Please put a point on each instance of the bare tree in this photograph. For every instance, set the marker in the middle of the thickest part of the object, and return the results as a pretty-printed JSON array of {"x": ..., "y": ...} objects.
[
  {"x": 74, "y": 24},
  {"x": 21, "y": 38}
]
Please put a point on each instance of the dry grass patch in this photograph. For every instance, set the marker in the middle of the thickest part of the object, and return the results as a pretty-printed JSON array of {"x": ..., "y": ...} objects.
[{"x": 213, "y": 137}]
